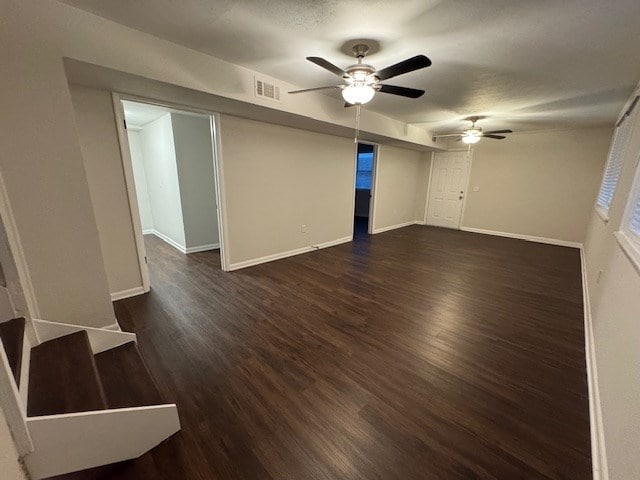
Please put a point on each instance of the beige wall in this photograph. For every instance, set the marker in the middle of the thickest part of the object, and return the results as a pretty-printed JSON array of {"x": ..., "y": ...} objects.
[
  {"x": 9, "y": 464},
  {"x": 615, "y": 318},
  {"x": 540, "y": 184},
  {"x": 401, "y": 187},
  {"x": 98, "y": 137},
  {"x": 194, "y": 160},
  {"x": 278, "y": 179},
  {"x": 42, "y": 167},
  {"x": 161, "y": 170}
]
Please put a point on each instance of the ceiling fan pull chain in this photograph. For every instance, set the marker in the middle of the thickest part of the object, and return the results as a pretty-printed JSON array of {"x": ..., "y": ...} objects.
[{"x": 357, "y": 122}]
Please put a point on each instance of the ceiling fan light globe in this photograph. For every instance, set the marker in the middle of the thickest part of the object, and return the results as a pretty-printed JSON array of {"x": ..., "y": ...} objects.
[
  {"x": 358, "y": 94},
  {"x": 470, "y": 139}
]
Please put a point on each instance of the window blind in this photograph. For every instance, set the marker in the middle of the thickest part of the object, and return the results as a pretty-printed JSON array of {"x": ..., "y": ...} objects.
[
  {"x": 634, "y": 221},
  {"x": 614, "y": 163}
]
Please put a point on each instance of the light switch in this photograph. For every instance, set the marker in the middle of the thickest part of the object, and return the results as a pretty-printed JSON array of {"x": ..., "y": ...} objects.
[{"x": 476, "y": 189}]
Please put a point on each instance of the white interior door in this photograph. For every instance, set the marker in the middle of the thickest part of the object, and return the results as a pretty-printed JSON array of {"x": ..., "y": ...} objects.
[{"x": 447, "y": 188}]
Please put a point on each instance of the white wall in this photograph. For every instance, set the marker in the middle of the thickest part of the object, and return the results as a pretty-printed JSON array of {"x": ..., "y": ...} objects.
[
  {"x": 95, "y": 123},
  {"x": 140, "y": 179},
  {"x": 162, "y": 179},
  {"x": 279, "y": 178},
  {"x": 194, "y": 159},
  {"x": 615, "y": 320},
  {"x": 540, "y": 184},
  {"x": 400, "y": 190},
  {"x": 9, "y": 463}
]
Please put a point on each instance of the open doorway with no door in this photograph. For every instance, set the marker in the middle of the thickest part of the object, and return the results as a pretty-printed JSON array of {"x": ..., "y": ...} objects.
[
  {"x": 172, "y": 158},
  {"x": 365, "y": 168}
]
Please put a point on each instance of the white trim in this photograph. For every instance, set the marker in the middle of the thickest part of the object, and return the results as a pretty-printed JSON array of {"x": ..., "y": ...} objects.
[
  {"x": 131, "y": 292},
  {"x": 630, "y": 249},
  {"x": 528, "y": 238},
  {"x": 15, "y": 244},
  {"x": 177, "y": 246},
  {"x": 148, "y": 231},
  {"x": 221, "y": 203},
  {"x": 23, "y": 387},
  {"x": 170, "y": 241},
  {"x": 77, "y": 441},
  {"x": 114, "y": 327},
  {"x": 371, "y": 227},
  {"x": 426, "y": 202},
  {"x": 602, "y": 213},
  {"x": 598, "y": 450},
  {"x": 290, "y": 253},
  {"x": 11, "y": 405},
  {"x": 393, "y": 227},
  {"x": 101, "y": 339},
  {"x": 202, "y": 248},
  {"x": 130, "y": 185},
  {"x": 466, "y": 187},
  {"x": 420, "y": 222}
]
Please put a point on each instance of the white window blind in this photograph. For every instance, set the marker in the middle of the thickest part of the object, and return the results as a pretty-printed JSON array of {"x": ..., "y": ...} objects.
[
  {"x": 634, "y": 219},
  {"x": 614, "y": 162}
]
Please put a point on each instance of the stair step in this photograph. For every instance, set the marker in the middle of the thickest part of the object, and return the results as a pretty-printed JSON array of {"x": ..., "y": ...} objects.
[
  {"x": 63, "y": 377},
  {"x": 12, "y": 334},
  {"x": 126, "y": 379}
]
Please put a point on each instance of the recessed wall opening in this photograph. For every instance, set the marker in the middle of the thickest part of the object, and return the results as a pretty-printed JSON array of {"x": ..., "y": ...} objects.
[
  {"x": 365, "y": 168},
  {"x": 172, "y": 160}
]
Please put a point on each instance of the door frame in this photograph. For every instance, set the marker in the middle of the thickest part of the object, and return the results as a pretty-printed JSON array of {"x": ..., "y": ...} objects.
[
  {"x": 467, "y": 181},
  {"x": 374, "y": 184},
  {"x": 125, "y": 154}
]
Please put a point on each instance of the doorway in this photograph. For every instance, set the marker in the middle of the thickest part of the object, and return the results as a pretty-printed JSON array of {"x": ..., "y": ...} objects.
[
  {"x": 169, "y": 158},
  {"x": 447, "y": 188},
  {"x": 364, "y": 189}
]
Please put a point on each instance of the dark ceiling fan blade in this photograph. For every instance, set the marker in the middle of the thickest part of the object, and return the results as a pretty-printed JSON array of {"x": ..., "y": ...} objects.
[
  {"x": 402, "y": 91},
  {"x": 406, "y": 66},
  {"x": 498, "y": 131},
  {"x": 347, "y": 104},
  {"x": 327, "y": 65},
  {"x": 315, "y": 89},
  {"x": 497, "y": 137}
]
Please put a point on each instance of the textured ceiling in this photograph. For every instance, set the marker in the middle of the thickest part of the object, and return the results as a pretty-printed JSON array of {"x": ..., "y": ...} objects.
[{"x": 523, "y": 64}]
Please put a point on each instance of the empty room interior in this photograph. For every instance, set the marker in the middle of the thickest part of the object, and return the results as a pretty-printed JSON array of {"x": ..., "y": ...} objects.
[{"x": 320, "y": 240}]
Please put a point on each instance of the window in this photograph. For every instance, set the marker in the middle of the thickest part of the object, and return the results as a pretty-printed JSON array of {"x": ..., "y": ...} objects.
[
  {"x": 614, "y": 162},
  {"x": 629, "y": 234},
  {"x": 364, "y": 172}
]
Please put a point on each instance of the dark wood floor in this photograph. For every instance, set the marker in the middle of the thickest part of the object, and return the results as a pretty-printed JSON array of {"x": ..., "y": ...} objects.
[{"x": 419, "y": 353}]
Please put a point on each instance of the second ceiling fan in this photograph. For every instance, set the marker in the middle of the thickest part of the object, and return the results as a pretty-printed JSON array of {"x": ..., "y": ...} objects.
[
  {"x": 474, "y": 134},
  {"x": 362, "y": 81}
]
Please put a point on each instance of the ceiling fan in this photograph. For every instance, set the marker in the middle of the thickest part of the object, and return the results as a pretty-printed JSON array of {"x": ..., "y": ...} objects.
[
  {"x": 474, "y": 134},
  {"x": 362, "y": 81}
]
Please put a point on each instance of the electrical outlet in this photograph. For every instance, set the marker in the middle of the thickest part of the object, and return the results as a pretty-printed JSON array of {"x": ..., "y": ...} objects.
[
  {"x": 599, "y": 276},
  {"x": 476, "y": 189},
  {"x": 303, "y": 228}
]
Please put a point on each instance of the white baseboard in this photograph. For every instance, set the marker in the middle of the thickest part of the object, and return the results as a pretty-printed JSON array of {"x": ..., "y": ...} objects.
[
  {"x": 420, "y": 222},
  {"x": 181, "y": 248},
  {"x": 202, "y": 248},
  {"x": 290, "y": 253},
  {"x": 131, "y": 292},
  {"x": 528, "y": 238},
  {"x": 598, "y": 450},
  {"x": 170, "y": 241},
  {"x": 393, "y": 227}
]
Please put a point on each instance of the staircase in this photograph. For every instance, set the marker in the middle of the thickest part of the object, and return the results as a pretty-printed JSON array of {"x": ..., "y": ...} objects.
[{"x": 89, "y": 398}]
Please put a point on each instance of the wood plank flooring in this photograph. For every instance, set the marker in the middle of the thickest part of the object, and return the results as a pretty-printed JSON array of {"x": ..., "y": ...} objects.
[{"x": 419, "y": 353}]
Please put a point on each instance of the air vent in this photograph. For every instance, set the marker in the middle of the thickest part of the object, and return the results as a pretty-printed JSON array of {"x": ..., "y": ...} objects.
[{"x": 267, "y": 90}]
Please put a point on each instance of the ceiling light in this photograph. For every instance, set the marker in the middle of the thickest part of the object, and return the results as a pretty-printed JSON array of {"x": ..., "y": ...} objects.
[
  {"x": 358, "y": 93},
  {"x": 470, "y": 138}
]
